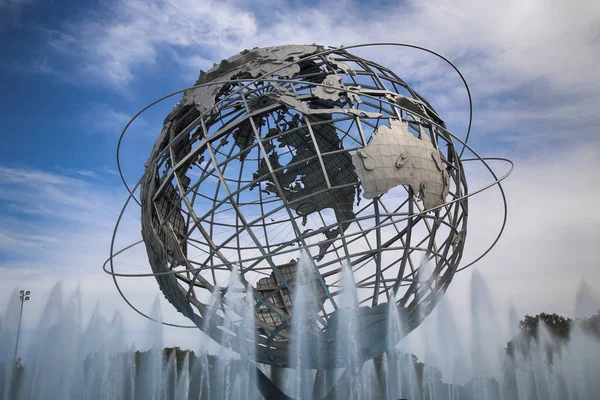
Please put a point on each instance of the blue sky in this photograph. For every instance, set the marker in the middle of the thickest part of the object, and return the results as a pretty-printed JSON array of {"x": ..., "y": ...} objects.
[{"x": 73, "y": 72}]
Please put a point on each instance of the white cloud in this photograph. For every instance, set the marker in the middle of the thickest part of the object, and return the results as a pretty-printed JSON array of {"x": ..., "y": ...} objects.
[
  {"x": 134, "y": 32},
  {"x": 24, "y": 242},
  {"x": 105, "y": 119},
  {"x": 87, "y": 173},
  {"x": 549, "y": 243},
  {"x": 531, "y": 65},
  {"x": 33, "y": 177},
  {"x": 53, "y": 221},
  {"x": 41, "y": 193},
  {"x": 65, "y": 236}
]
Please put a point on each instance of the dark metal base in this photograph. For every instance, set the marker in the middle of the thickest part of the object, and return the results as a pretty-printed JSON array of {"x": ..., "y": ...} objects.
[{"x": 340, "y": 390}]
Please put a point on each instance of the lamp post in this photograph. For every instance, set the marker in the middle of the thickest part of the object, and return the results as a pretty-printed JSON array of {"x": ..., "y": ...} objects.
[{"x": 24, "y": 296}]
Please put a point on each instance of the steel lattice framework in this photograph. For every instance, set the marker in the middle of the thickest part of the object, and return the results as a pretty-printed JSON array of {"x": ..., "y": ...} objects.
[{"x": 302, "y": 149}]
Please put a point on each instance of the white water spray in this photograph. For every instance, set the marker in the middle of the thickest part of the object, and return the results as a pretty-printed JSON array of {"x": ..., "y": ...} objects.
[{"x": 68, "y": 361}]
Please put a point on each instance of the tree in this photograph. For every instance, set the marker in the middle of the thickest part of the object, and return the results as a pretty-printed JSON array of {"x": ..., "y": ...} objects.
[{"x": 558, "y": 326}]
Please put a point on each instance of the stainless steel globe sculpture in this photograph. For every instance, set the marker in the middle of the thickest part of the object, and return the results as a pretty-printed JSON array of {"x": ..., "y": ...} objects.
[{"x": 298, "y": 150}]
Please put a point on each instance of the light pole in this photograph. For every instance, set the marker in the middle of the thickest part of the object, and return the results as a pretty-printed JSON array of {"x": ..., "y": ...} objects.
[{"x": 24, "y": 296}]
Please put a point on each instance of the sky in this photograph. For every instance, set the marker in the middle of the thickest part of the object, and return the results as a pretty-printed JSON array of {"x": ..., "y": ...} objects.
[{"x": 73, "y": 72}]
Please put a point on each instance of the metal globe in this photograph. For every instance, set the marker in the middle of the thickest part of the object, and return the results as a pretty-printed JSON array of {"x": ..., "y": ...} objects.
[{"x": 292, "y": 154}]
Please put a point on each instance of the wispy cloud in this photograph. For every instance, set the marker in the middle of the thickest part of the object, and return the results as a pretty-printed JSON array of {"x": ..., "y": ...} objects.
[
  {"x": 54, "y": 195},
  {"x": 57, "y": 227},
  {"x": 540, "y": 57},
  {"x": 111, "y": 49},
  {"x": 105, "y": 119},
  {"x": 552, "y": 39},
  {"x": 33, "y": 177},
  {"x": 24, "y": 242},
  {"x": 548, "y": 245},
  {"x": 87, "y": 173}
]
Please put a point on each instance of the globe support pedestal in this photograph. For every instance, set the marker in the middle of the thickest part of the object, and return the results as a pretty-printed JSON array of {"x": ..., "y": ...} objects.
[{"x": 341, "y": 389}]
